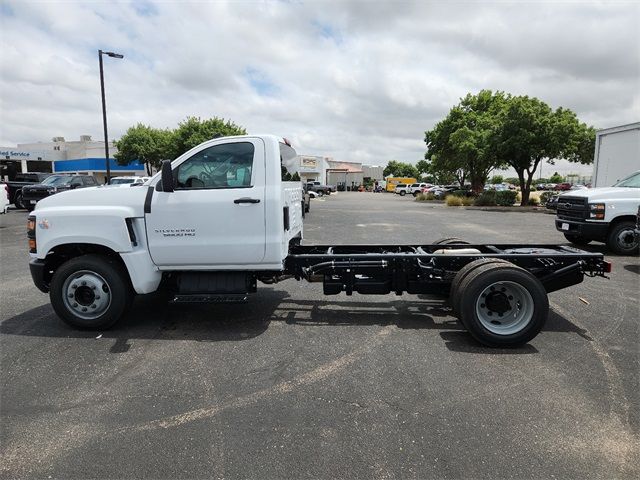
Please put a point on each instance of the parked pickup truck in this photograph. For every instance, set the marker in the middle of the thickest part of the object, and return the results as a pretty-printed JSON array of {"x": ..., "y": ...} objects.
[
  {"x": 605, "y": 214},
  {"x": 21, "y": 180},
  {"x": 219, "y": 219},
  {"x": 32, "y": 194},
  {"x": 319, "y": 188}
]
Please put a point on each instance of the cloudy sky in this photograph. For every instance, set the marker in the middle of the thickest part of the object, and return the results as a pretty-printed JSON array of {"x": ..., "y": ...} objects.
[{"x": 355, "y": 80}]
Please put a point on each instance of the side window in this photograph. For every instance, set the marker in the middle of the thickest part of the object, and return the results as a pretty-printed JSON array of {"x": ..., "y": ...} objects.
[
  {"x": 76, "y": 182},
  {"x": 90, "y": 181},
  {"x": 220, "y": 166}
]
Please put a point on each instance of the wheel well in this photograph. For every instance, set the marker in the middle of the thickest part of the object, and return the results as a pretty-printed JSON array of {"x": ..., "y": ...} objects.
[
  {"x": 62, "y": 253},
  {"x": 624, "y": 218}
]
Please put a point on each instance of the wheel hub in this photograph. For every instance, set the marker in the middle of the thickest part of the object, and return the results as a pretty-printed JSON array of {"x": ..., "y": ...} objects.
[
  {"x": 504, "y": 308},
  {"x": 86, "y": 294}
]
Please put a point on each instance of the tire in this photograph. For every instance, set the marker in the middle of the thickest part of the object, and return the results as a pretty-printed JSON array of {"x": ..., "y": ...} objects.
[
  {"x": 621, "y": 239},
  {"x": 320, "y": 193},
  {"x": 454, "y": 291},
  {"x": 17, "y": 200},
  {"x": 92, "y": 273},
  {"x": 30, "y": 207},
  {"x": 415, "y": 194},
  {"x": 402, "y": 193},
  {"x": 450, "y": 241},
  {"x": 577, "y": 239},
  {"x": 512, "y": 291}
]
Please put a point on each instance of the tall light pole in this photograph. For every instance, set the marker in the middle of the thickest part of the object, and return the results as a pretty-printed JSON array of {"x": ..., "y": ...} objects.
[{"x": 104, "y": 109}]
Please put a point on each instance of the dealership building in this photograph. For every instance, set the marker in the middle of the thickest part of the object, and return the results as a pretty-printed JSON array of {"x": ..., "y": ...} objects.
[
  {"x": 344, "y": 175},
  {"x": 83, "y": 156}
]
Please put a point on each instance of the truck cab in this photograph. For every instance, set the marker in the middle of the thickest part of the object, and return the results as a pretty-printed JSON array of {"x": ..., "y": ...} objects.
[
  {"x": 602, "y": 214},
  {"x": 216, "y": 219}
]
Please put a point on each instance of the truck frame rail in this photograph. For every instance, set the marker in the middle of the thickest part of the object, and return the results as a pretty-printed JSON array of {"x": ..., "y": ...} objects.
[{"x": 430, "y": 269}]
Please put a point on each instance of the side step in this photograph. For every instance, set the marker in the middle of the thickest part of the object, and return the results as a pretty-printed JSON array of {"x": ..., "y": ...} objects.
[{"x": 210, "y": 298}]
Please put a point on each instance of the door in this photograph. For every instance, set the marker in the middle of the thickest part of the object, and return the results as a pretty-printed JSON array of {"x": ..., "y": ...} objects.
[{"x": 215, "y": 217}]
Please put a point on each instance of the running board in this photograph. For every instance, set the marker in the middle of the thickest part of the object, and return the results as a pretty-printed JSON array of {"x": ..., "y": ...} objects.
[{"x": 210, "y": 298}]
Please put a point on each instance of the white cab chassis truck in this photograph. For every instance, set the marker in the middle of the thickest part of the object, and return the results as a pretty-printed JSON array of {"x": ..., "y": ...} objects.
[
  {"x": 606, "y": 214},
  {"x": 219, "y": 219}
]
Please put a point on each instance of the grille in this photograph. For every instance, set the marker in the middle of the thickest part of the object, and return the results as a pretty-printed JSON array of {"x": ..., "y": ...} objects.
[
  {"x": 34, "y": 194},
  {"x": 573, "y": 208}
]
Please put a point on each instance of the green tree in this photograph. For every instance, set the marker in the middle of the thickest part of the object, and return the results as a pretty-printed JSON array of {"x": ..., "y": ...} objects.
[
  {"x": 496, "y": 179},
  {"x": 530, "y": 131},
  {"x": 144, "y": 143},
  {"x": 400, "y": 169},
  {"x": 556, "y": 178},
  {"x": 423, "y": 167},
  {"x": 193, "y": 131},
  {"x": 464, "y": 142}
]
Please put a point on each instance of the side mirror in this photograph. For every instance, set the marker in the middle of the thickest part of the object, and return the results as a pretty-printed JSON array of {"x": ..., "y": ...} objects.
[{"x": 167, "y": 176}]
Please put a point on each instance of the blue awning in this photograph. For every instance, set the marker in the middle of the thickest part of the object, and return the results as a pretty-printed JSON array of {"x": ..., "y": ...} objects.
[{"x": 95, "y": 165}]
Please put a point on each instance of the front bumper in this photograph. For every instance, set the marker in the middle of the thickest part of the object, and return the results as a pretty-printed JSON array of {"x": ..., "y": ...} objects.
[
  {"x": 584, "y": 229},
  {"x": 36, "y": 266}
]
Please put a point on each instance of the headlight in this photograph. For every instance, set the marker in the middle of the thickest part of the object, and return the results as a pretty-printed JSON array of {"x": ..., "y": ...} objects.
[{"x": 596, "y": 211}]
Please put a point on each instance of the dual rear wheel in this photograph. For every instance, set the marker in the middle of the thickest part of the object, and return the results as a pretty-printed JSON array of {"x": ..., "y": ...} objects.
[{"x": 499, "y": 303}]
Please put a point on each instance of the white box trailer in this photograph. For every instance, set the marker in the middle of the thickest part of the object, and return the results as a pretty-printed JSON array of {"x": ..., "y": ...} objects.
[{"x": 617, "y": 154}]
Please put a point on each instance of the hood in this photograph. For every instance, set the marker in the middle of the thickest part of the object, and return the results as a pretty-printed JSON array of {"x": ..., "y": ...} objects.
[
  {"x": 605, "y": 193},
  {"x": 102, "y": 197}
]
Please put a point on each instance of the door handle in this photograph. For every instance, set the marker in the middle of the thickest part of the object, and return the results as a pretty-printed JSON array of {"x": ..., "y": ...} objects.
[{"x": 246, "y": 200}]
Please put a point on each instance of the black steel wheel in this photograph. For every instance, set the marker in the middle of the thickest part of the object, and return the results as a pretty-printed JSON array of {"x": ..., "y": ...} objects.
[
  {"x": 577, "y": 239},
  {"x": 622, "y": 239},
  {"x": 17, "y": 200},
  {"x": 91, "y": 292},
  {"x": 502, "y": 306}
]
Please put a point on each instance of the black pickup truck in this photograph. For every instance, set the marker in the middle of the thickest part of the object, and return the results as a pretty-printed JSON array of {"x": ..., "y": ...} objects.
[
  {"x": 22, "y": 179},
  {"x": 31, "y": 194}
]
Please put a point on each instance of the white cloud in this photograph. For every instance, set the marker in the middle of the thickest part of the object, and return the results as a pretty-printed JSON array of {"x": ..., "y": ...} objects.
[{"x": 354, "y": 80}]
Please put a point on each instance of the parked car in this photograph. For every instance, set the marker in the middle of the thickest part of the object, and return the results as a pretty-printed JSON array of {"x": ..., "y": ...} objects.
[
  {"x": 21, "y": 180},
  {"x": 53, "y": 184},
  {"x": 402, "y": 189},
  {"x": 578, "y": 186},
  {"x": 4, "y": 198},
  {"x": 319, "y": 188},
  {"x": 552, "y": 203},
  {"x": 416, "y": 188},
  {"x": 131, "y": 181},
  {"x": 563, "y": 186}
]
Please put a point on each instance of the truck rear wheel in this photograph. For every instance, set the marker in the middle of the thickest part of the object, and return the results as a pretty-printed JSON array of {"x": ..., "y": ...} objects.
[
  {"x": 91, "y": 292},
  {"x": 450, "y": 241},
  {"x": 622, "y": 240},
  {"x": 502, "y": 306},
  {"x": 454, "y": 291},
  {"x": 577, "y": 239},
  {"x": 402, "y": 193}
]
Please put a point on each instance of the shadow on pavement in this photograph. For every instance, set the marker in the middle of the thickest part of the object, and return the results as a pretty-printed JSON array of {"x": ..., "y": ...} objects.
[
  {"x": 152, "y": 318},
  {"x": 634, "y": 268}
]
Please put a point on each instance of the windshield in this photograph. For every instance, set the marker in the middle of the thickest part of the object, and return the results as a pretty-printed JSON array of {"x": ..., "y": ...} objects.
[
  {"x": 632, "y": 181},
  {"x": 56, "y": 180},
  {"x": 120, "y": 181}
]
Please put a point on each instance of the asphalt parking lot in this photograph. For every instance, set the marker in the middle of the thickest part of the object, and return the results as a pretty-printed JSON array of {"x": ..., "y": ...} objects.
[{"x": 298, "y": 385}]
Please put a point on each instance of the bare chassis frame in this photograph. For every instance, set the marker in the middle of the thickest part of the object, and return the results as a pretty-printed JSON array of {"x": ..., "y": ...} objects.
[{"x": 430, "y": 269}]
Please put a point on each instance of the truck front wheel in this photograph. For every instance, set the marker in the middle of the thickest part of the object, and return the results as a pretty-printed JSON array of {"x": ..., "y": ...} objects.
[
  {"x": 17, "y": 201},
  {"x": 577, "y": 239},
  {"x": 91, "y": 292},
  {"x": 622, "y": 239}
]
